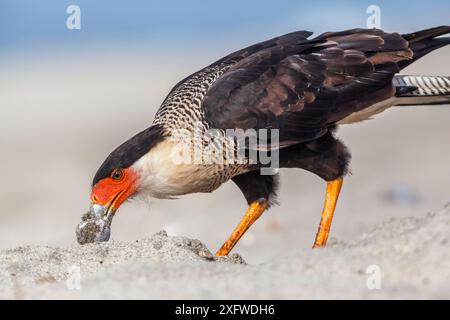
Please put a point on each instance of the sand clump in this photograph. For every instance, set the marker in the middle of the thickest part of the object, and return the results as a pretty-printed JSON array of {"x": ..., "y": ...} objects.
[{"x": 91, "y": 229}]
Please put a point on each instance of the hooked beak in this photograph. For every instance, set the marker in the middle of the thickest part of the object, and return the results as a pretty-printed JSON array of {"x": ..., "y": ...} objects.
[{"x": 105, "y": 213}]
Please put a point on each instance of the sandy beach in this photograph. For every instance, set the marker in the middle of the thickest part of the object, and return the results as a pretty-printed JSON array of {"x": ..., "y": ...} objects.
[
  {"x": 401, "y": 258},
  {"x": 61, "y": 119}
]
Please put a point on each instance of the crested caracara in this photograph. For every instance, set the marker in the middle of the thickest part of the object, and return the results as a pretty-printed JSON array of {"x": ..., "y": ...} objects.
[{"x": 299, "y": 87}]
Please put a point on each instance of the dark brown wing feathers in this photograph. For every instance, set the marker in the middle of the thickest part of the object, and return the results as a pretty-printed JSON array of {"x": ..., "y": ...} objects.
[{"x": 303, "y": 87}]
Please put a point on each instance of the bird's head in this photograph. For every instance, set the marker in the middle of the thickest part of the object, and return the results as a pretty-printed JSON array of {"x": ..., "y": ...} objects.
[
  {"x": 118, "y": 179},
  {"x": 109, "y": 192}
]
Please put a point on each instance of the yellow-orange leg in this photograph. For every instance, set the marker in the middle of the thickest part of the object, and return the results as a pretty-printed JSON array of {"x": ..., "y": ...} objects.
[
  {"x": 331, "y": 198},
  {"x": 254, "y": 211}
]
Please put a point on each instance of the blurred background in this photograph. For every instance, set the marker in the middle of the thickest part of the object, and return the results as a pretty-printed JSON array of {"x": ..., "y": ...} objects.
[{"x": 69, "y": 97}]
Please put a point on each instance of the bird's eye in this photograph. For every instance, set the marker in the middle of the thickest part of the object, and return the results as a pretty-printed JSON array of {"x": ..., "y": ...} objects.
[{"x": 117, "y": 174}]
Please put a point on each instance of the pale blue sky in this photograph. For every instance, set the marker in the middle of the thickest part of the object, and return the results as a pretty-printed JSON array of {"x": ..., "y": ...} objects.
[{"x": 40, "y": 24}]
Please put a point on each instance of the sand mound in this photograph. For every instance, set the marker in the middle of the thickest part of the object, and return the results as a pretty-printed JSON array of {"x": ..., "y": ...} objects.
[{"x": 402, "y": 258}]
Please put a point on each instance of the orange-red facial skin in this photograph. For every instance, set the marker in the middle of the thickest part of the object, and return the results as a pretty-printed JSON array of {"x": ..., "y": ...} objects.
[{"x": 109, "y": 192}]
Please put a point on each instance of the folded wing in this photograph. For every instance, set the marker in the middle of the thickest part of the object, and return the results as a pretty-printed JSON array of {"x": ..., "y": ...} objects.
[{"x": 303, "y": 87}]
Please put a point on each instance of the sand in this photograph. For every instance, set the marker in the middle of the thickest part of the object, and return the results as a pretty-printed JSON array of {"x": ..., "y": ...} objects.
[{"x": 401, "y": 258}]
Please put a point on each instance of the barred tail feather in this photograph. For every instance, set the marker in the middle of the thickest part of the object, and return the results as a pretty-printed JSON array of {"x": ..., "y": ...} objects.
[{"x": 422, "y": 90}]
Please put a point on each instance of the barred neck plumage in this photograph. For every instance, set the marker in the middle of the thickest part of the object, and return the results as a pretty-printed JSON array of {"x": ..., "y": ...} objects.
[{"x": 182, "y": 109}]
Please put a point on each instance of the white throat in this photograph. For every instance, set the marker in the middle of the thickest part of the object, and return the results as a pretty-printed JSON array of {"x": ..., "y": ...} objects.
[{"x": 163, "y": 177}]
